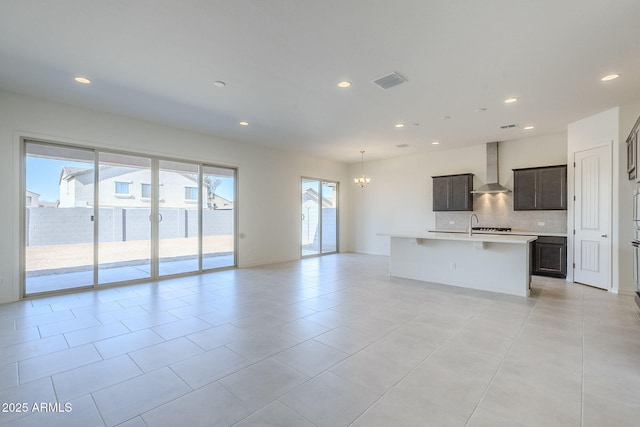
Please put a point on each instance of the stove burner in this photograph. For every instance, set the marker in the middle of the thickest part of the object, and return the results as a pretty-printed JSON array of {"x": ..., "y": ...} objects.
[{"x": 498, "y": 229}]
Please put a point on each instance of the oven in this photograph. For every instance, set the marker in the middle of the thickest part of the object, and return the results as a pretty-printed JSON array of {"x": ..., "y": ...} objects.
[
  {"x": 635, "y": 242},
  {"x": 636, "y": 263},
  {"x": 636, "y": 266},
  {"x": 636, "y": 209}
]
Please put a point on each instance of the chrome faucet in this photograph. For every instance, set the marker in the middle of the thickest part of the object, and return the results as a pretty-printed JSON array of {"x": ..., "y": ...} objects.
[{"x": 471, "y": 222}]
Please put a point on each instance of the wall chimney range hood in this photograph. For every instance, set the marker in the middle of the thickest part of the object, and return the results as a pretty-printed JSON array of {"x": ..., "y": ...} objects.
[{"x": 492, "y": 185}]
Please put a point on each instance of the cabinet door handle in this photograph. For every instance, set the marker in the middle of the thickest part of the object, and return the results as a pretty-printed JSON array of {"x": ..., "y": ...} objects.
[{"x": 604, "y": 235}]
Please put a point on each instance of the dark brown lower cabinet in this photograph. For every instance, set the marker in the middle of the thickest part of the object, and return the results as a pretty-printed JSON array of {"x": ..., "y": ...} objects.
[{"x": 549, "y": 256}]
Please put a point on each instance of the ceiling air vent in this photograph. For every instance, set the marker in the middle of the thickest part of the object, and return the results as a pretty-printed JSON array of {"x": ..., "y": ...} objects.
[
  {"x": 390, "y": 80},
  {"x": 508, "y": 126}
]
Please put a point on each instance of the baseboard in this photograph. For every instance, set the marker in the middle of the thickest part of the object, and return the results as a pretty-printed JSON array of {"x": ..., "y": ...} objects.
[
  {"x": 267, "y": 262},
  {"x": 626, "y": 292},
  {"x": 7, "y": 300}
]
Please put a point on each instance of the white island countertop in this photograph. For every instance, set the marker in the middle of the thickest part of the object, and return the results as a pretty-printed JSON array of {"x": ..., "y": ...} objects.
[
  {"x": 475, "y": 237},
  {"x": 506, "y": 233}
]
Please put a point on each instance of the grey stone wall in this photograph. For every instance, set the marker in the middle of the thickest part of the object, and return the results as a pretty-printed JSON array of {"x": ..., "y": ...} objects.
[
  {"x": 329, "y": 229},
  {"x": 63, "y": 226},
  {"x": 51, "y": 226}
]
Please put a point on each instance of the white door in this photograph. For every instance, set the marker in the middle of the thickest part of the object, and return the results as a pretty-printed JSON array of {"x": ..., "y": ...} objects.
[{"x": 592, "y": 240}]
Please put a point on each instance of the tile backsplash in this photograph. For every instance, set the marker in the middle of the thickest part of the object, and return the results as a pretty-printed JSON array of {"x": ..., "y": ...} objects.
[{"x": 496, "y": 210}]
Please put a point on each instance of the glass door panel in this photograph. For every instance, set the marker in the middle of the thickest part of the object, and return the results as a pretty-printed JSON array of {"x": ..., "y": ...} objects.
[
  {"x": 179, "y": 198},
  {"x": 59, "y": 213},
  {"x": 329, "y": 229},
  {"x": 124, "y": 212},
  {"x": 310, "y": 215},
  {"x": 218, "y": 217}
]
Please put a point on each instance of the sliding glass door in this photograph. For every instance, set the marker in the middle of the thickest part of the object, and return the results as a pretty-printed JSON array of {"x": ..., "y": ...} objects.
[
  {"x": 95, "y": 217},
  {"x": 319, "y": 226},
  {"x": 218, "y": 217},
  {"x": 124, "y": 218},
  {"x": 180, "y": 194},
  {"x": 58, "y": 218}
]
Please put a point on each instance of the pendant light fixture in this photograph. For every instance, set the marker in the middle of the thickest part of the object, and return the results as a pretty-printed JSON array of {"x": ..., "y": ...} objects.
[{"x": 362, "y": 180}]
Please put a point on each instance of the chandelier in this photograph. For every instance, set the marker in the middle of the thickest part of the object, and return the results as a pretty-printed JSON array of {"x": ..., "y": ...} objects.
[{"x": 362, "y": 180}]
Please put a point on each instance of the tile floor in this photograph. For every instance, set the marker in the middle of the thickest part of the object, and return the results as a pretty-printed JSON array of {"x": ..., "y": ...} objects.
[{"x": 330, "y": 341}]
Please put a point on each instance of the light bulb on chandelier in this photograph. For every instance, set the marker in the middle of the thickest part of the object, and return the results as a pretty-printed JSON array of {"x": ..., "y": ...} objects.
[{"x": 362, "y": 180}]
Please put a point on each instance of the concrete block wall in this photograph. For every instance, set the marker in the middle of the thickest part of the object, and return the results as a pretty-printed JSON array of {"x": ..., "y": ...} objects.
[
  {"x": 64, "y": 226},
  {"x": 329, "y": 229},
  {"x": 50, "y": 226}
]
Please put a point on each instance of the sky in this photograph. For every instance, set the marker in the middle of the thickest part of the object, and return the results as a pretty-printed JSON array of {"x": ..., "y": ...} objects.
[{"x": 43, "y": 175}]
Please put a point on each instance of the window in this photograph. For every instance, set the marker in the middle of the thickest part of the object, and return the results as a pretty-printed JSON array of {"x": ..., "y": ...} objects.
[
  {"x": 191, "y": 193},
  {"x": 122, "y": 187},
  {"x": 145, "y": 191},
  {"x": 29, "y": 200}
]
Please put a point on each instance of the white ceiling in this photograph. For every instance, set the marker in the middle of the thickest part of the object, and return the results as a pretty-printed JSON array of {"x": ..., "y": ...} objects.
[{"x": 282, "y": 59}]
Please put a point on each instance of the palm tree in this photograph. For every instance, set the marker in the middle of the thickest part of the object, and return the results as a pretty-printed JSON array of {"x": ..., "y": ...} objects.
[{"x": 212, "y": 183}]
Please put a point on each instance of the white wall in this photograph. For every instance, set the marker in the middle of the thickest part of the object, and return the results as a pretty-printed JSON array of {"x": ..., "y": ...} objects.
[
  {"x": 595, "y": 131},
  {"x": 399, "y": 197},
  {"x": 545, "y": 150},
  {"x": 268, "y": 195}
]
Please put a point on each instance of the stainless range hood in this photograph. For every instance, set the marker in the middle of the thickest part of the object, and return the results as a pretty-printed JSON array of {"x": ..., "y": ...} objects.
[{"x": 492, "y": 185}]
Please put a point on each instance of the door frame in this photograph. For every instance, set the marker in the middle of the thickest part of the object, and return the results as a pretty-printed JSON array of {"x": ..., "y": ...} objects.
[
  {"x": 337, "y": 190},
  {"x": 571, "y": 222}
]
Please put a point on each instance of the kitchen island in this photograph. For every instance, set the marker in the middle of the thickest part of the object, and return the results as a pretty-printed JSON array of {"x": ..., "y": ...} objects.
[{"x": 489, "y": 262}]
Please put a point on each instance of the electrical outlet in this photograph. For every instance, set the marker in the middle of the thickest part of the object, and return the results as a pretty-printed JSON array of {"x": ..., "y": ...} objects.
[
  {"x": 541, "y": 223},
  {"x": 452, "y": 265}
]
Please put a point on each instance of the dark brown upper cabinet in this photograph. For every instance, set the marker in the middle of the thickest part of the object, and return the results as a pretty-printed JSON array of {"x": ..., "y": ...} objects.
[
  {"x": 453, "y": 192},
  {"x": 543, "y": 188}
]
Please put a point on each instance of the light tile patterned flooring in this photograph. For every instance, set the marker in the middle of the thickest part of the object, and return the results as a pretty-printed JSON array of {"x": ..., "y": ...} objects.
[{"x": 330, "y": 341}]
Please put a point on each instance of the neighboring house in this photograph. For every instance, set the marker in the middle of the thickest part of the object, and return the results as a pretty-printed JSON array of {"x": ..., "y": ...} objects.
[
  {"x": 131, "y": 187},
  {"x": 310, "y": 217},
  {"x": 219, "y": 203},
  {"x": 310, "y": 194},
  {"x": 31, "y": 199}
]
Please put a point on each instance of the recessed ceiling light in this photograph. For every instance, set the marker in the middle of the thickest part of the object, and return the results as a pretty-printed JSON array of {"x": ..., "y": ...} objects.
[
  {"x": 435, "y": 143},
  {"x": 244, "y": 123},
  {"x": 399, "y": 125},
  {"x": 610, "y": 77},
  {"x": 82, "y": 80},
  {"x": 511, "y": 100},
  {"x": 219, "y": 83},
  {"x": 344, "y": 84},
  {"x": 527, "y": 127}
]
